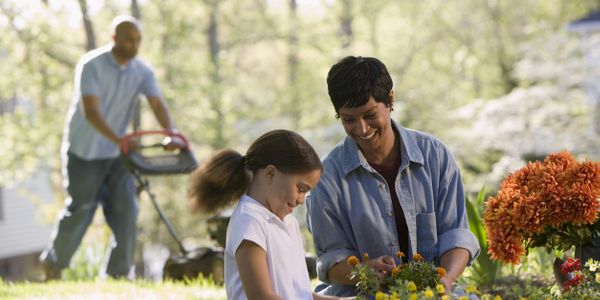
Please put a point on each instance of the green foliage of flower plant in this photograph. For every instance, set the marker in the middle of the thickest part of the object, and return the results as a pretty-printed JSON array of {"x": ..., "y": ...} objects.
[
  {"x": 415, "y": 279},
  {"x": 421, "y": 273},
  {"x": 484, "y": 270},
  {"x": 368, "y": 279}
]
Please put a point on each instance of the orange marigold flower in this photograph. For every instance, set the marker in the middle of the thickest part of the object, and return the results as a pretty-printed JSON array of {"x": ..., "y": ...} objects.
[
  {"x": 352, "y": 260},
  {"x": 366, "y": 257},
  {"x": 440, "y": 271},
  {"x": 395, "y": 271},
  {"x": 418, "y": 257},
  {"x": 400, "y": 254}
]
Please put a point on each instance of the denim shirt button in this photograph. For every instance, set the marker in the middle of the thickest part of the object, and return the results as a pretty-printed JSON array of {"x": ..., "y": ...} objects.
[
  {"x": 381, "y": 186},
  {"x": 390, "y": 213}
]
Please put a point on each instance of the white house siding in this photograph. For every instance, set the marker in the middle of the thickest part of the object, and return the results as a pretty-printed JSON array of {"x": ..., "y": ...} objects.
[{"x": 21, "y": 232}]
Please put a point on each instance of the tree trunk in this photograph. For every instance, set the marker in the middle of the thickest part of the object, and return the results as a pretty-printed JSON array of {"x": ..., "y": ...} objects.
[
  {"x": 293, "y": 64},
  {"x": 135, "y": 9},
  {"x": 346, "y": 18},
  {"x": 136, "y": 121},
  {"x": 89, "y": 28},
  {"x": 218, "y": 140},
  {"x": 504, "y": 59},
  {"x": 137, "y": 109},
  {"x": 371, "y": 11}
]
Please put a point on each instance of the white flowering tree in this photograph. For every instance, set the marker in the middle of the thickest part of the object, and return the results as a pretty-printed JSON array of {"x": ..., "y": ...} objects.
[
  {"x": 588, "y": 29},
  {"x": 549, "y": 112}
]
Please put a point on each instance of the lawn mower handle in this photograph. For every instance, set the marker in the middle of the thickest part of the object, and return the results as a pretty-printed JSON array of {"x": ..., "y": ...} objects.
[{"x": 124, "y": 141}]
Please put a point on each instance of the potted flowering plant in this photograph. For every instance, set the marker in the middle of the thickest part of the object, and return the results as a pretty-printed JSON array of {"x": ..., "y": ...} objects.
[
  {"x": 552, "y": 204},
  {"x": 583, "y": 281},
  {"x": 416, "y": 279}
]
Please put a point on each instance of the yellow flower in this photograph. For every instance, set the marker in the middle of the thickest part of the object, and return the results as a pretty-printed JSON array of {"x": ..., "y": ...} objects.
[
  {"x": 598, "y": 277},
  {"x": 414, "y": 296},
  {"x": 400, "y": 254},
  {"x": 380, "y": 296},
  {"x": 428, "y": 293},
  {"x": 522, "y": 298},
  {"x": 486, "y": 297},
  {"x": 440, "y": 288},
  {"x": 352, "y": 260},
  {"x": 463, "y": 298},
  {"x": 418, "y": 257},
  {"x": 445, "y": 297},
  {"x": 471, "y": 289},
  {"x": 365, "y": 257},
  {"x": 394, "y": 296},
  {"x": 594, "y": 265},
  {"x": 441, "y": 271},
  {"x": 411, "y": 286},
  {"x": 497, "y": 297}
]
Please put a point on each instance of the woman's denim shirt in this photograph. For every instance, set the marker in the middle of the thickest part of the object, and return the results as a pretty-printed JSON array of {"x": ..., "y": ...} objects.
[{"x": 350, "y": 210}]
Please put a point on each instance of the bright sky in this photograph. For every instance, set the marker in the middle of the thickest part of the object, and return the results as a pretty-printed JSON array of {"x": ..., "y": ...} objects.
[
  {"x": 305, "y": 7},
  {"x": 32, "y": 9}
]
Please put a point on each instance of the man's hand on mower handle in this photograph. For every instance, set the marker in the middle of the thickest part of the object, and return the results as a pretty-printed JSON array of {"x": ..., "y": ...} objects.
[
  {"x": 171, "y": 143},
  {"x": 133, "y": 144}
]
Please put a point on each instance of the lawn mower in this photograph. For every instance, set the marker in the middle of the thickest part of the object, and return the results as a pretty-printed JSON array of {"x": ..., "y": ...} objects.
[{"x": 154, "y": 159}]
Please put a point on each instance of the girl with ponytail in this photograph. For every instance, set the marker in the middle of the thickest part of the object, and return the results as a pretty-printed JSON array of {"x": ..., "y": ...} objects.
[{"x": 264, "y": 255}]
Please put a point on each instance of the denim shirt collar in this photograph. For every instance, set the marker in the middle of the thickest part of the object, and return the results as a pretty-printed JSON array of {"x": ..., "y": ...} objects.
[{"x": 353, "y": 157}]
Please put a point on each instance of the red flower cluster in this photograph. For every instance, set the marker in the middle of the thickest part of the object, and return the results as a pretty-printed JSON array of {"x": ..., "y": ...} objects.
[
  {"x": 571, "y": 265},
  {"x": 575, "y": 281},
  {"x": 557, "y": 191}
]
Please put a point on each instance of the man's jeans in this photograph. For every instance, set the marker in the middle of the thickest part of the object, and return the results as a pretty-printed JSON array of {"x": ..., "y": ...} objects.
[{"x": 89, "y": 183}]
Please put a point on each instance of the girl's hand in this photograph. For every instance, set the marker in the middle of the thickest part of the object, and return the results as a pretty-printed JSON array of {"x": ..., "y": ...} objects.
[{"x": 447, "y": 282}]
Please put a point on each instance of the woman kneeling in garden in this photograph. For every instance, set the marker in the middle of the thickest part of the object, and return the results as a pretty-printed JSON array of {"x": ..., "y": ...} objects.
[{"x": 384, "y": 188}]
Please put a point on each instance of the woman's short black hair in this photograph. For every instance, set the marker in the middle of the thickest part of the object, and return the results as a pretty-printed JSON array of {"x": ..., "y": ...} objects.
[{"x": 354, "y": 80}]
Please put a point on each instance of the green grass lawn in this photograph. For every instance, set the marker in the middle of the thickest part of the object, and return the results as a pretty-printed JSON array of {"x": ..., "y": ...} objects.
[{"x": 112, "y": 289}]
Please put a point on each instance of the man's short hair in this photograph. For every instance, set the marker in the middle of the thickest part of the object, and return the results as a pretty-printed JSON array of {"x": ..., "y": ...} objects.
[{"x": 118, "y": 20}]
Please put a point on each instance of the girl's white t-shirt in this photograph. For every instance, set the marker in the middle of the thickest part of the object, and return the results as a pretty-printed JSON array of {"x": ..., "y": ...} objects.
[{"x": 282, "y": 242}]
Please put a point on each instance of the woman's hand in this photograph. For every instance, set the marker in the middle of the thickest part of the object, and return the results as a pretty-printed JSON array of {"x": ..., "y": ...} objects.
[
  {"x": 382, "y": 264},
  {"x": 340, "y": 272}
]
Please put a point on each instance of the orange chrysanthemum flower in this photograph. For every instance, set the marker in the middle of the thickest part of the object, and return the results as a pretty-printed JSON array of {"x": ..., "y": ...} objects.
[
  {"x": 395, "y": 271},
  {"x": 440, "y": 271},
  {"x": 366, "y": 257},
  {"x": 400, "y": 254},
  {"x": 540, "y": 197},
  {"x": 418, "y": 257},
  {"x": 352, "y": 260}
]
